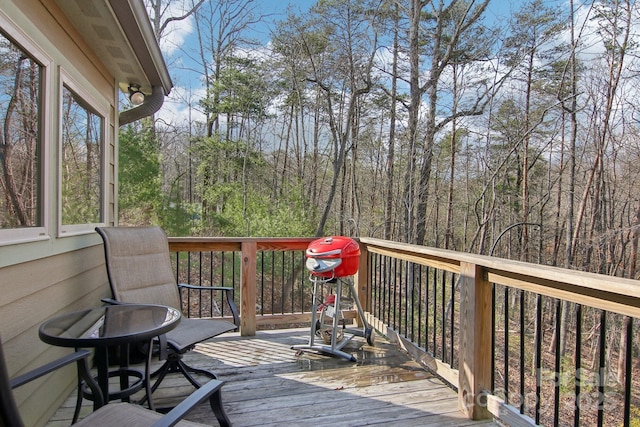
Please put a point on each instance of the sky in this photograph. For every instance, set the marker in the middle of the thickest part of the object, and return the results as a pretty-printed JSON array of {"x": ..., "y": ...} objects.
[
  {"x": 185, "y": 75},
  {"x": 182, "y": 37}
]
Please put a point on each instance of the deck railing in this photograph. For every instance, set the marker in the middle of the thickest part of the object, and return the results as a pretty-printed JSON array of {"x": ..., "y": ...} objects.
[
  {"x": 268, "y": 277},
  {"x": 515, "y": 339}
]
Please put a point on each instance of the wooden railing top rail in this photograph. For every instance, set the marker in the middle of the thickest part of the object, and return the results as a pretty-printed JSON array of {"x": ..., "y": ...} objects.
[
  {"x": 609, "y": 293},
  {"x": 235, "y": 243}
]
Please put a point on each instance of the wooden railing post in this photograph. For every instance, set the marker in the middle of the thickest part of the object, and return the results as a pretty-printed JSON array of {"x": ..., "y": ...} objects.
[
  {"x": 362, "y": 283},
  {"x": 248, "y": 289},
  {"x": 475, "y": 341}
]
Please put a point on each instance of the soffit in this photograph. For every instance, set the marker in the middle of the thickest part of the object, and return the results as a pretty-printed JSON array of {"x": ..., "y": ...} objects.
[{"x": 120, "y": 33}]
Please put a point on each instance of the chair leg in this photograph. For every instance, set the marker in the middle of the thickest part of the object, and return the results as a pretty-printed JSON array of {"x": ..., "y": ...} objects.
[
  {"x": 147, "y": 380},
  {"x": 161, "y": 372},
  {"x": 218, "y": 410},
  {"x": 76, "y": 412},
  {"x": 187, "y": 370},
  {"x": 175, "y": 364},
  {"x": 84, "y": 378}
]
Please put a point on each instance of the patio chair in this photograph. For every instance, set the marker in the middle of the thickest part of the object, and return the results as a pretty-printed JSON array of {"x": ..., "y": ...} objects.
[
  {"x": 109, "y": 415},
  {"x": 139, "y": 272}
]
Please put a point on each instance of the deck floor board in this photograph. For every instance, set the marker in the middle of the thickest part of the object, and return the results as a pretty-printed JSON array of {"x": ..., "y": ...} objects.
[{"x": 269, "y": 384}]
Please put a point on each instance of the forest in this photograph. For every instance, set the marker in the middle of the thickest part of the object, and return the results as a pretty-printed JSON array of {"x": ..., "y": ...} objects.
[
  {"x": 415, "y": 121},
  {"x": 427, "y": 122}
]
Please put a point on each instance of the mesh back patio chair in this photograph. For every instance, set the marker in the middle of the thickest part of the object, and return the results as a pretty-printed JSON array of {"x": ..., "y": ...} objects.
[
  {"x": 124, "y": 414},
  {"x": 139, "y": 270}
]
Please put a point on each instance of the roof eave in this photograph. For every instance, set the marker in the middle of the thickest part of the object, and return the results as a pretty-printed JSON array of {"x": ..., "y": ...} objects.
[{"x": 137, "y": 28}]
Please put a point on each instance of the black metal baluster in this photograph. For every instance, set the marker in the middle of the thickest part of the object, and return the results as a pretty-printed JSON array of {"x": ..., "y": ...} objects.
[
  {"x": 370, "y": 289},
  {"x": 507, "y": 325},
  {"x": 412, "y": 303},
  {"x": 406, "y": 297},
  {"x": 628, "y": 373},
  {"x": 211, "y": 281},
  {"x": 381, "y": 295},
  {"x": 397, "y": 306},
  {"x": 372, "y": 280},
  {"x": 200, "y": 284},
  {"x": 292, "y": 279},
  {"x": 427, "y": 308},
  {"x": 443, "y": 315},
  {"x": 378, "y": 287},
  {"x": 538, "y": 351},
  {"x": 577, "y": 374},
  {"x": 602, "y": 343},
  {"x": 522, "y": 349},
  {"x": 394, "y": 304},
  {"x": 435, "y": 312},
  {"x": 303, "y": 278},
  {"x": 234, "y": 256},
  {"x": 282, "y": 295},
  {"x": 222, "y": 268},
  {"x": 419, "y": 305},
  {"x": 262, "y": 283},
  {"x": 178, "y": 278},
  {"x": 556, "y": 386},
  {"x": 386, "y": 298},
  {"x": 188, "y": 281},
  {"x": 452, "y": 324},
  {"x": 493, "y": 337}
]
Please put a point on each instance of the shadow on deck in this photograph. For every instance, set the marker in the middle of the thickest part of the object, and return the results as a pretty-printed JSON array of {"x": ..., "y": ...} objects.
[{"x": 269, "y": 384}]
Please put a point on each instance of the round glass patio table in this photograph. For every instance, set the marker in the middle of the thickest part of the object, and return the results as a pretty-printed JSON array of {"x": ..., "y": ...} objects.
[{"x": 113, "y": 326}]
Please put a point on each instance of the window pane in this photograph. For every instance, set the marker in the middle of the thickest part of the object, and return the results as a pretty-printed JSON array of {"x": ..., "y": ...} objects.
[
  {"x": 20, "y": 109},
  {"x": 81, "y": 162}
]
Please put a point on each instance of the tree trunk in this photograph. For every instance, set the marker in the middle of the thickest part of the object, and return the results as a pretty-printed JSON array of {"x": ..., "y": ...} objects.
[
  {"x": 388, "y": 206},
  {"x": 415, "y": 93}
]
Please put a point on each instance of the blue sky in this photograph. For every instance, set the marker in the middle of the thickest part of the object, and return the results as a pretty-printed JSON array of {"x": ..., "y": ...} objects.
[{"x": 181, "y": 39}]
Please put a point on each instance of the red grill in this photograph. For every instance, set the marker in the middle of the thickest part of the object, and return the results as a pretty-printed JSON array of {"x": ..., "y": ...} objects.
[{"x": 335, "y": 256}]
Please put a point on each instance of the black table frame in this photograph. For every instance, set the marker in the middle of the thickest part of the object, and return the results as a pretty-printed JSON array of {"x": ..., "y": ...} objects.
[{"x": 99, "y": 391}]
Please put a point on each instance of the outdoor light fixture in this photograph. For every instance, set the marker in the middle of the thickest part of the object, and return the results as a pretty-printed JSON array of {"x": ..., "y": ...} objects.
[{"x": 135, "y": 95}]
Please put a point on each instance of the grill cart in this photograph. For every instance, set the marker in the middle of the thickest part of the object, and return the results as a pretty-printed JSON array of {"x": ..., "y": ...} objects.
[{"x": 330, "y": 259}]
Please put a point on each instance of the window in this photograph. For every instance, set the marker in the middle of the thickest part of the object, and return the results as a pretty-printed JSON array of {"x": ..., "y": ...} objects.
[
  {"x": 23, "y": 73},
  {"x": 81, "y": 160}
]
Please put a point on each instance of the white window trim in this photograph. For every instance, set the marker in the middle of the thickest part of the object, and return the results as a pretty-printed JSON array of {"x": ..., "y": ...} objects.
[
  {"x": 22, "y": 39},
  {"x": 101, "y": 110}
]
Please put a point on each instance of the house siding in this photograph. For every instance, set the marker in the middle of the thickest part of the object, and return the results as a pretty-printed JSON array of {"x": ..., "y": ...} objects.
[
  {"x": 33, "y": 292},
  {"x": 54, "y": 274}
]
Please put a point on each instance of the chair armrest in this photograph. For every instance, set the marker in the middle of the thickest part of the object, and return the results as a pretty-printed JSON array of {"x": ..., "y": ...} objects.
[
  {"x": 49, "y": 367},
  {"x": 228, "y": 292},
  {"x": 205, "y": 288},
  {"x": 207, "y": 390},
  {"x": 111, "y": 301}
]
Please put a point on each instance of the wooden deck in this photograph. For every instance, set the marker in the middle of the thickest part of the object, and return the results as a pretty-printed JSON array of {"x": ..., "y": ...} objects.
[{"x": 268, "y": 384}]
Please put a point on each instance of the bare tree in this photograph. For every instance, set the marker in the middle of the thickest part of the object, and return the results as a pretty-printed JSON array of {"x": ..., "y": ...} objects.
[{"x": 446, "y": 24}]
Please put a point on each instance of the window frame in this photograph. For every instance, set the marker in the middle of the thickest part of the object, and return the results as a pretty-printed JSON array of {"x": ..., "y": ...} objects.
[
  {"x": 21, "y": 39},
  {"x": 90, "y": 102}
]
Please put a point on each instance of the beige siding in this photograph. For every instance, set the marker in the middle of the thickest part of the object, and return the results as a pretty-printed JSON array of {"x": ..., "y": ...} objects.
[
  {"x": 33, "y": 292},
  {"x": 42, "y": 278}
]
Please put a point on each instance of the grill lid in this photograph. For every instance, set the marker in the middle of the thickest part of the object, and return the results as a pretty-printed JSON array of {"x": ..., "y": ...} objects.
[{"x": 335, "y": 256}]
